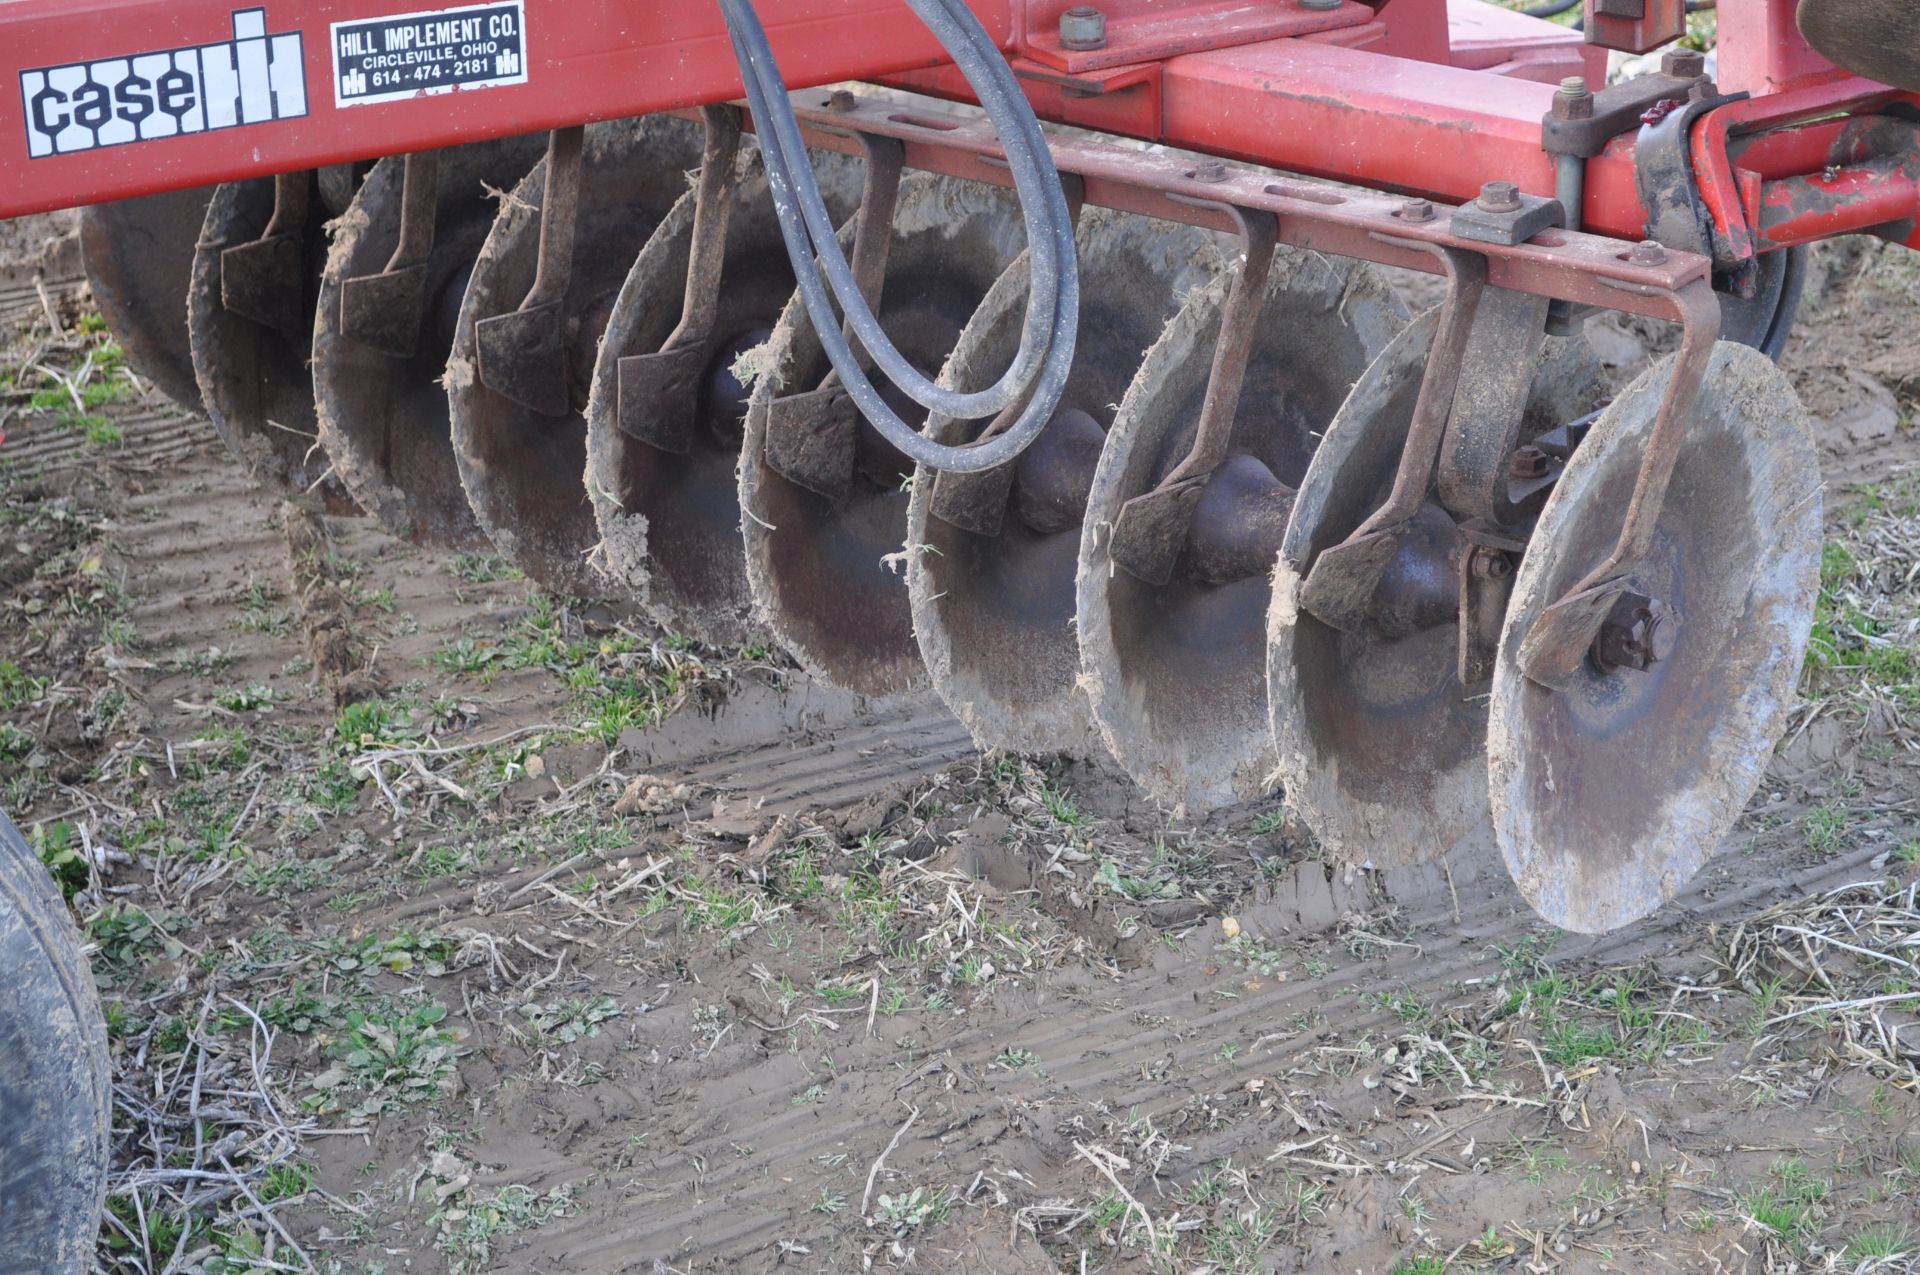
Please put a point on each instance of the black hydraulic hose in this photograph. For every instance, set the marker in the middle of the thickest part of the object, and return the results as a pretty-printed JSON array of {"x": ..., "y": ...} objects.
[
  {"x": 1552, "y": 9},
  {"x": 1045, "y": 357}
]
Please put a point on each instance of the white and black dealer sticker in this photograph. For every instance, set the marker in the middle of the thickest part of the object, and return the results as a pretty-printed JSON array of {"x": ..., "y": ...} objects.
[
  {"x": 472, "y": 47},
  {"x": 253, "y": 78}
]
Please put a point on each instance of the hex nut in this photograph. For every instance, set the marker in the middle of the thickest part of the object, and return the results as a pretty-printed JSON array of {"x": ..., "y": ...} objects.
[
  {"x": 1500, "y": 197},
  {"x": 1083, "y": 28}
]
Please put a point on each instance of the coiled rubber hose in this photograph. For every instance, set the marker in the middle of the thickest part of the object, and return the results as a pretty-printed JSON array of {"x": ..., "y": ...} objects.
[{"x": 1039, "y": 370}]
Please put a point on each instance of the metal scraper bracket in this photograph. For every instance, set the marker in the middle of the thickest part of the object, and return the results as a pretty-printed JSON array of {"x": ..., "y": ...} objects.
[
  {"x": 523, "y": 354},
  {"x": 658, "y": 396},
  {"x": 384, "y": 310},
  {"x": 811, "y": 436},
  {"x": 1151, "y": 529},
  {"x": 1553, "y": 651},
  {"x": 1340, "y": 586}
]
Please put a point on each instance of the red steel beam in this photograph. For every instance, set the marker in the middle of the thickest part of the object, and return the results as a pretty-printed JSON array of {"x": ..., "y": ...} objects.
[{"x": 582, "y": 60}]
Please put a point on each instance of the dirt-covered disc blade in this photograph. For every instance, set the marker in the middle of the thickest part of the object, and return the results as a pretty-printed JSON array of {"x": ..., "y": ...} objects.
[
  {"x": 1176, "y": 673},
  {"x": 1381, "y": 748},
  {"x": 256, "y": 381},
  {"x": 384, "y": 419},
  {"x": 1608, "y": 797},
  {"x": 825, "y": 572},
  {"x": 138, "y": 255},
  {"x": 524, "y": 472},
  {"x": 994, "y": 612},
  {"x": 670, "y": 522}
]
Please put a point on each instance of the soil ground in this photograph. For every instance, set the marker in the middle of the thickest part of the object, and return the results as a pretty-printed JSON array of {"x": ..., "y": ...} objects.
[{"x": 444, "y": 926}]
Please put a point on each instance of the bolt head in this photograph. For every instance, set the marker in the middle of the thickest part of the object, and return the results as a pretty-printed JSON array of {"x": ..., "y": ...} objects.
[
  {"x": 1491, "y": 564},
  {"x": 1638, "y": 633},
  {"x": 840, "y": 100},
  {"x": 1683, "y": 64},
  {"x": 1528, "y": 462},
  {"x": 1321, "y": 5},
  {"x": 1083, "y": 28},
  {"x": 1210, "y": 171},
  {"x": 1648, "y": 252},
  {"x": 1415, "y": 210},
  {"x": 1500, "y": 197}
]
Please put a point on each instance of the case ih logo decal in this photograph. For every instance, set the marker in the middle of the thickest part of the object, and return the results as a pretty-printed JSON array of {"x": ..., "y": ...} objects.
[
  {"x": 475, "y": 47},
  {"x": 250, "y": 79}
]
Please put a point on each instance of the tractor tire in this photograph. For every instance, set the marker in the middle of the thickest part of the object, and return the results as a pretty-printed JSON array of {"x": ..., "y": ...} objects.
[{"x": 55, "y": 1092}]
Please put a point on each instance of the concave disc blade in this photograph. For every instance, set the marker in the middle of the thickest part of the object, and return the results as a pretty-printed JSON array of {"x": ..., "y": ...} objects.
[
  {"x": 1176, "y": 673},
  {"x": 524, "y": 473},
  {"x": 815, "y": 564},
  {"x": 670, "y": 523},
  {"x": 139, "y": 260},
  {"x": 1381, "y": 747},
  {"x": 256, "y": 382},
  {"x": 994, "y": 613},
  {"x": 384, "y": 419},
  {"x": 1608, "y": 797}
]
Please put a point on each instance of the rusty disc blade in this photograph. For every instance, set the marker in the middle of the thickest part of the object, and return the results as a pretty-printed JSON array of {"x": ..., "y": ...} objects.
[
  {"x": 994, "y": 612},
  {"x": 814, "y": 562},
  {"x": 1607, "y": 798},
  {"x": 523, "y": 471},
  {"x": 255, "y": 380},
  {"x": 1176, "y": 673},
  {"x": 139, "y": 261},
  {"x": 1381, "y": 747},
  {"x": 670, "y": 522},
  {"x": 384, "y": 419}
]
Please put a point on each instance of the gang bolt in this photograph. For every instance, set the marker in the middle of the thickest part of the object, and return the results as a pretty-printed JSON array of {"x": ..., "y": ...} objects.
[
  {"x": 1573, "y": 100},
  {"x": 1491, "y": 564},
  {"x": 1638, "y": 633},
  {"x": 1528, "y": 462},
  {"x": 1683, "y": 64},
  {"x": 1500, "y": 197},
  {"x": 1083, "y": 28},
  {"x": 1648, "y": 252},
  {"x": 1322, "y": 5},
  {"x": 1416, "y": 210},
  {"x": 1211, "y": 172},
  {"x": 840, "y": 101}
]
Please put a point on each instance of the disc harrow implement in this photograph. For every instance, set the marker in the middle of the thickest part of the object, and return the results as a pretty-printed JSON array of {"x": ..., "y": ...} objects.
[
  {"x": 1123, "y": 449},
  {"x": 824, "y": 496},
  {"x": 529, "y": 332},
  {"x": 991, "y": 557},
  {"x": 389, "y": 303},
  {"x": 671, "y": 388}
]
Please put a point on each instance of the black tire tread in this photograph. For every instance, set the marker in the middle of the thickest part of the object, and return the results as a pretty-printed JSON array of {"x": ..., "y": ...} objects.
[{"x": 55, "y": 1075}]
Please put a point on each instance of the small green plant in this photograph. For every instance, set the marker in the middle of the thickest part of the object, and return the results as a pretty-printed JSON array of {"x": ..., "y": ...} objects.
[
  {"x": 830, "y": 1202},
  {"x": 920, "y": 1209},
  {"x": 100, "y": 431},
  {"x": 363, "y": 725},
  {"x": 1253, "y": 954},
  {"x": 1825, "y": 827},
  {"x": 394, "y": 1059},
  {"x": 247, "y": 699},
  {"x": 1880, "y": 1241},
  {"x": 464, "y": 656},
  {"x": 1013, "y": 1058},
  {"x": 565, "y": 1021},
  {"x": 15, "y": 743},
  {"x": 16, "y": 687},
  {"x": 60, "y": 851},
  {"x": 483, "y": 568}
]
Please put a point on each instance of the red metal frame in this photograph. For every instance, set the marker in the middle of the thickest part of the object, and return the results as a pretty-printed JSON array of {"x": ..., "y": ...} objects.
[{"x": 1384, "y": 94}]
